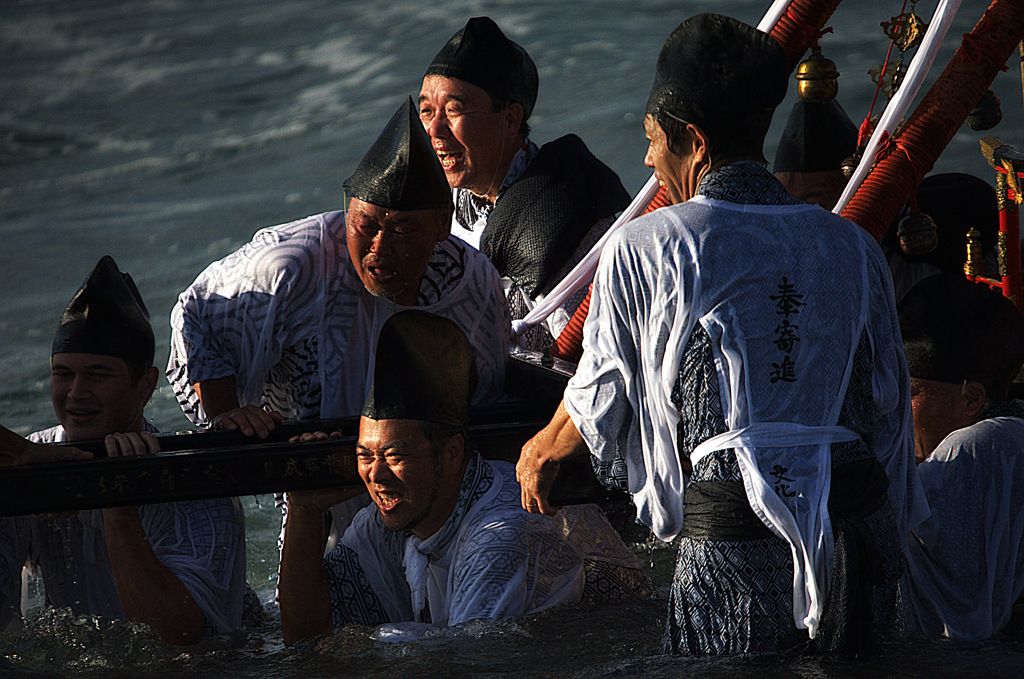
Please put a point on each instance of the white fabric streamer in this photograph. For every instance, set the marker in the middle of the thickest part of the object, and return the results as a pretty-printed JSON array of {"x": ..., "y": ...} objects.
[
  {"x": 759, "y": 447},
  {"x": 945, "y": 12},
  {"x": 773, "y": 15},
  {"x": 583, "y": 272}
]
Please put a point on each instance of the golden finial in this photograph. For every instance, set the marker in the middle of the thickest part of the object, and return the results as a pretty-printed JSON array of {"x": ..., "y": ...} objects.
[
  {"x": 974, "y": 266},
  {"x": 817, "y": 77}
]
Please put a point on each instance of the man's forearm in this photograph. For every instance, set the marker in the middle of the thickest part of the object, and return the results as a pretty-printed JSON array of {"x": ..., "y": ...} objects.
[
  {"x": 217, "y": 395},
  {"x": 303, "y": 590},
  {"x": 563, "y": 439},
  {"x": 148, "y": 590},
  {"x": 542, "y": 456},
  {"x": 15, "y": 450}
]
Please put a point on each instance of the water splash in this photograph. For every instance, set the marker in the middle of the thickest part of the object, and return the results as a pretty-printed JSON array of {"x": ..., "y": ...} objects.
[{"x": 58, "y": 641}]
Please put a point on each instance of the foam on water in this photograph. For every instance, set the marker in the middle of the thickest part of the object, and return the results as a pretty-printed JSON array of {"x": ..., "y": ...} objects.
[{"x": 579, "y": 641}]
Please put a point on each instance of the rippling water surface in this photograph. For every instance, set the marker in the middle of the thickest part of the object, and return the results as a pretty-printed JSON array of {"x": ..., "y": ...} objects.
[
  {"x": 579, "y": 641},
  {"x": 166, "y": 132}
]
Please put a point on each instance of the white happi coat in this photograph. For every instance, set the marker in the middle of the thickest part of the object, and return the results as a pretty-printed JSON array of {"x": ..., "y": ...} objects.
[
  {"x": 290, "y": 304},
  {"x": 966, "y": 562},
  {"x": 489, "y": 560},
  {"x": 785, "y": 294}
]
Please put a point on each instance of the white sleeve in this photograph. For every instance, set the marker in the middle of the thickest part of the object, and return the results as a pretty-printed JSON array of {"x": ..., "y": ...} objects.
[
  {"x": 240, "y": 313},
  {"x": 893, "y": 437},
  {"x": 14, "y": 546},
  {"x": 596, "y": 397},
  {"x": 482, "y": 312}
]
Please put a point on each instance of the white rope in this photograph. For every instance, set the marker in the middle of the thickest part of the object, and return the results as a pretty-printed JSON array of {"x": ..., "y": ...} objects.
[
  {"x": 583, "y": 272},
  {"x": 945, "y": 11}
]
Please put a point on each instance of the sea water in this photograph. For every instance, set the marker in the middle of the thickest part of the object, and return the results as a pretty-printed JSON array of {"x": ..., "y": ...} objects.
[{"x": 166, "y": 132}]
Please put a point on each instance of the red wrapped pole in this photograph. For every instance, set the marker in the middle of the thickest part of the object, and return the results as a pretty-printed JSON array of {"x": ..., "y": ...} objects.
[
  {"x": 1009, "y": 233},
  {"x": 798, "y": 28},
  {"x": 904, "y": 161}
]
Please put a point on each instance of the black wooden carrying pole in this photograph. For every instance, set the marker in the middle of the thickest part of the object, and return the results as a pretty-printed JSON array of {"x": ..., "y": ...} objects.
[
  {"x": 534, "y": 385},
  {"x": 205, "y": 440},
  {"x": 239, "y": 470},
  {"x": 199, "y": 465},
  {"x": 242, "y": 470}
]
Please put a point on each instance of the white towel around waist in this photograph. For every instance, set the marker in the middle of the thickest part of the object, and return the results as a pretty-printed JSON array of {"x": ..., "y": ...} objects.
[{"x": 809, "y": 533}]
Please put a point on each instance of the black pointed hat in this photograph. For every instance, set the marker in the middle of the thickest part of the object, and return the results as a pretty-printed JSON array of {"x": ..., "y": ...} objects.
[
  {"x": 481, "y": 55},
  {"x": 714, "y": 70},
  {"x": 956, "y": 330},
  {"x": 818, "y": 137},
  {"x": 401, "y": 170},
  {"x": 423, "y": 370},
  {"x": 108, "y": 317}
]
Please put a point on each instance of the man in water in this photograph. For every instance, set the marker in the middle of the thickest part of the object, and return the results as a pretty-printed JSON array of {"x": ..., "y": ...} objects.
[
  {"x": 534, "y": 211},
  {"x": 180, "y": 568},
  {"x": 742, "y": 361},
  {"x": 964, "y": 345},
  {"x": 445, "y": 540},
  {"x": 290, "y": 321}
]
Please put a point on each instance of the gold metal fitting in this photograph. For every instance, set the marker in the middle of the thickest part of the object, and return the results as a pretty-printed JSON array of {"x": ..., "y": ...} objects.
[
  {"x": 974, "y": 266},
  {"x": 987, "y": 113},
  {"x": 817, "y": 78},
  {"x": 918, "y": 233}
]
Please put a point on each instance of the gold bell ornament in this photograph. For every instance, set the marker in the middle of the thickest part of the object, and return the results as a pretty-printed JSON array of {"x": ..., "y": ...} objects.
[
  {"x": 918, "y": 233},
  {"x": 817, "y": 78}
]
